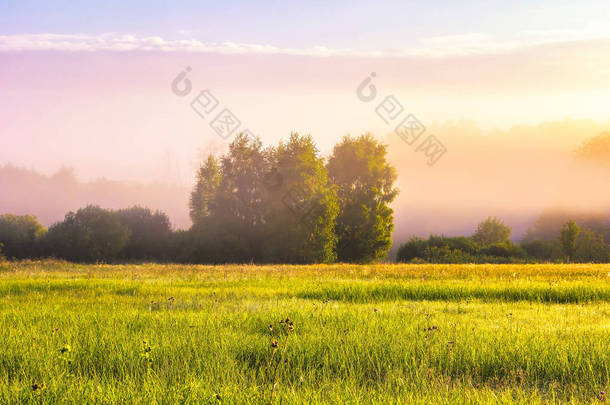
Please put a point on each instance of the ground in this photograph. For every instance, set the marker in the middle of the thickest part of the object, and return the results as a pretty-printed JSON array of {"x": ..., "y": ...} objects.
[{"x": 363, "y": 334}]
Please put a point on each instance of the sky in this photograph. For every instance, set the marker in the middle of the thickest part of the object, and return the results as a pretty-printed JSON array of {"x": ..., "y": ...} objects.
[
  {"x": 89, "y": 84},
  {"x": 361, "y": 25}
]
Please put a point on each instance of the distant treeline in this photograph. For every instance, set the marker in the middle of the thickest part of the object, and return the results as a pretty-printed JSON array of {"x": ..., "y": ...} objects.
[
  {"x": 283, "y": 204},
  {"x": 287, "y": 204},
  {"x": 555, "y": 237},
  {"x": 24, "y": 191}
]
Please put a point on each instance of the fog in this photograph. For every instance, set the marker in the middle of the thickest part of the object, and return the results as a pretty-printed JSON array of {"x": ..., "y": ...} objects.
[
  {"x": 513, "y": 174},
  {"x": 114, "y": 120}
]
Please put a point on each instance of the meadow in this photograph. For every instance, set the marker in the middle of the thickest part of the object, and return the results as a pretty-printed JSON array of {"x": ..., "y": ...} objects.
[{"x": 361, "y": 334}]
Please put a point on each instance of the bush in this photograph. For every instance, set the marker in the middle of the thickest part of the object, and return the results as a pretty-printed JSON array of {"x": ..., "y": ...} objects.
[
  {"x": 492, "y": 231},
  {"x": 541, "y": 250},
  {"x": 503, "y": 249},
  {"x": 414, "y": 248},
  {"x": 591, "y": 248},
  {"x": 150, "y": 233},
  {"x": 442, "y": 249},
  {"x": 92, "y": 234},
  {"x": 21, "y": 236},
  {"x": 461, "y": 243},
  {"x": 445, "y": 254}
]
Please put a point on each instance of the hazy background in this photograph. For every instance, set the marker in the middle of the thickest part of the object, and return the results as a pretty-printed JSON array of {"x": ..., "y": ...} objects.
[{"x": 510, "y": 90}]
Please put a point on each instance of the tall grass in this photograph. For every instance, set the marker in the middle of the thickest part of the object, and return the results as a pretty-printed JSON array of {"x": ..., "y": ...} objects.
[{"x": 362, "y": 334}]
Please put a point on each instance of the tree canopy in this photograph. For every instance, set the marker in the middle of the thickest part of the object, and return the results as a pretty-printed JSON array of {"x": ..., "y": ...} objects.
[{"x": 364, "y": 181}]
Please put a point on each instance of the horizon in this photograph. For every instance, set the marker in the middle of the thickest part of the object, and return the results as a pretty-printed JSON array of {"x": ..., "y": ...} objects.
[{"x": 97, "y": 88}]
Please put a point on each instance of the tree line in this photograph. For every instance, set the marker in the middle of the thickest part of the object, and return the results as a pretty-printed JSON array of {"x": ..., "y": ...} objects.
[
  {"x": 282, "y": 204},
  {"x": 546, "y": 241}
]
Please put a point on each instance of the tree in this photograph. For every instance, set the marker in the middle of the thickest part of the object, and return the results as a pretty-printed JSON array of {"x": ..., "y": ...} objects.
[
  {"x": 568, "y": 237},
  {"x": 263, "y": 205},
  {"x": 21, "y": 236},
  {"x": 549, "y": 223},
  {"x": 491, "y": 231},
  {"x": 542, "y": 250},
  {"x": 150, "y": 233},
  {"x": 202, "y": 196},
  {"x": 91, "y": 234},
  {"x": 591, "y": 248},
  {"x": 365, "y": 187},
  {"x": 300, "y": 215},
  {"x": 228, "y": 207}
]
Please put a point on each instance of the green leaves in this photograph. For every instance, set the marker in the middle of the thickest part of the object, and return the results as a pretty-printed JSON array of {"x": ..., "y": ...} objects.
[
  {"x": 364, "y": 181},
  {"x": 271, "y": 205}
]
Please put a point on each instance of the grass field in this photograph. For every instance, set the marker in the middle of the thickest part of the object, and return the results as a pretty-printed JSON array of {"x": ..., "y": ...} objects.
[{"x": 360, "y": 334}]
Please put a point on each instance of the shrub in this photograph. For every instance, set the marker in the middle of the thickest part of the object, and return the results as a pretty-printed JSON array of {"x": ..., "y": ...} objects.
[
  {"x": 461, "y": 243},
  {"x": 541, "y": 250},
  {"x": 414, "y": 248},
  {"x": 150, "y": 233},
  {"x": 21, "y": 236},
  {"x": 91, "y": 234},
  {"x": 503, "y": 249},
  {"x": 491, "y": 231},
  {"x": 441, "y": 249},
  {"x": 591, "y": 248}
]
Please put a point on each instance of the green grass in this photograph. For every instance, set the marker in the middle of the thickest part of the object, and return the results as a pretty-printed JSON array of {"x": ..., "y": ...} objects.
[{"x": 362, "y": 334}]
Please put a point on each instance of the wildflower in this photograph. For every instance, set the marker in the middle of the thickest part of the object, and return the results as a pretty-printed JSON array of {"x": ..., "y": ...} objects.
[
  {"x": 65, "y": 349},
  {"x": 218, "y": 398},
  {"x": 274, "y": 344},
  {"x": 36, "y": 386}
]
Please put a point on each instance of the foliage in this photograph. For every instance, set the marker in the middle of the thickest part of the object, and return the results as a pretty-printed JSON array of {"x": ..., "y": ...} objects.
[
  {"x": 491, "y": 231},
  {"x": 149, "y": 233},
  {"x": 300, "y": 216},
  {"x": 414, "y": 248},
  {"x": 263, "y": 205},
  {"x": 568, "y": 237},
  {"x": 365, "y": 188},
  {"x": 230, "y": 223},
  {"x": 91, "y": 234},
  {"x": 542, "y": 250},
  {"x": 202, "y": 196},
  {"x": 442, "y": 249},
  {"x": 591, "y": 248},
  {"x": 506, "y": 249},
  {"x": 21, "y": 236},
  {"x": 462, "y": 243}
]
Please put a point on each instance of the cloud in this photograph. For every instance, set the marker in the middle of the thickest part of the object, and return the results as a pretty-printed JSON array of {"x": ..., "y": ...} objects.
[
  {"x": 441, "y": 46},
  {"x": 119, "y": 42},
  {"x": 484, "y": 43}
]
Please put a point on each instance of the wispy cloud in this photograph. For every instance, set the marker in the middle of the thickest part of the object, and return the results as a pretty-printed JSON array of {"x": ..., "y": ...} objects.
[
  {"x": 119, "y": 42},
  {"x": 441, "y": 46}
]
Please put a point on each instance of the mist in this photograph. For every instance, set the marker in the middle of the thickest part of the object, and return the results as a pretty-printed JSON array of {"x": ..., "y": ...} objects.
[{"x": 513, "y": 174}]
